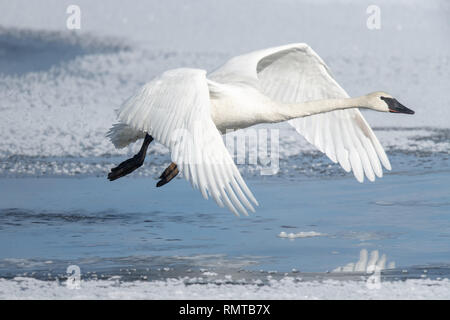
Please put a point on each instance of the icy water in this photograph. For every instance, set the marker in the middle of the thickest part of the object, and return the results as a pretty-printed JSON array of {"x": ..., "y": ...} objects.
[{"x": 131, "y": 229}]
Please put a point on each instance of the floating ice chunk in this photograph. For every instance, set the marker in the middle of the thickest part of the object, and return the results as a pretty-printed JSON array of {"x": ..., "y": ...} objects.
[
  {"x": 350, "y": 267},
  {"x": 209, "y": 274},
  {"x": 303, "y": 234}
]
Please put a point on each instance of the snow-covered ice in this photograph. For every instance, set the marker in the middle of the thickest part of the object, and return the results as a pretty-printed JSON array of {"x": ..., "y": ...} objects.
[{"x": 287, "y": 288}]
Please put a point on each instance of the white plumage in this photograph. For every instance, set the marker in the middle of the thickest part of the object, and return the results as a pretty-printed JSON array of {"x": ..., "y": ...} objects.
[{"x": 187, "y": 111}]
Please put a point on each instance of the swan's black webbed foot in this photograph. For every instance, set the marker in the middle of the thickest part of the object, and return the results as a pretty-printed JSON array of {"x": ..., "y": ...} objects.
[
  {"x": 132, "y": 164},
  {"x": 168, "y": 174},
  {"x": 126, "y": 167}
]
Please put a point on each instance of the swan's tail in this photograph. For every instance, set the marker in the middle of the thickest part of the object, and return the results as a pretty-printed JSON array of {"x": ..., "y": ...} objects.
[{"x": 122, "y": 135}]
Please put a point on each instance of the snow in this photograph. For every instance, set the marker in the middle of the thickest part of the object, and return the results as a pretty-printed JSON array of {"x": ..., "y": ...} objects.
[{"x": 286, "y": 288}]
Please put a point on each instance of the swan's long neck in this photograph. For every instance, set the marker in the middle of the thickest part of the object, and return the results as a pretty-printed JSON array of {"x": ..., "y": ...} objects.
[
  {"x": 245, "y": 107},
  {"x": 288, "y": 111}
]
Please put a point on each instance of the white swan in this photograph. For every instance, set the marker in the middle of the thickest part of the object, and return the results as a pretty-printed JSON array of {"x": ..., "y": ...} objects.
[{"x": 187, "y": 111}]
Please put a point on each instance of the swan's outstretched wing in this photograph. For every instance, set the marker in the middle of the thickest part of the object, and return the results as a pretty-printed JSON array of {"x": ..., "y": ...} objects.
[
  {"x": 295, "y": 73},
  {"x": 175, "y": 109}
]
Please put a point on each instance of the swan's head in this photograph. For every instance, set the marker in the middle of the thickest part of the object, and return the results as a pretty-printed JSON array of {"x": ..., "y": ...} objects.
[{"x": 382, "y": 101}]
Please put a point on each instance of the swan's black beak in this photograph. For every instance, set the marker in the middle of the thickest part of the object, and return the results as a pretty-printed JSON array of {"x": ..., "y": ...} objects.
[{"x": 396, "y": 107}]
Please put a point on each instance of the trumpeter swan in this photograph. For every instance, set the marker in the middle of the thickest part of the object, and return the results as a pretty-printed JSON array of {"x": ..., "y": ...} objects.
[{"x": 187, "y": 111}]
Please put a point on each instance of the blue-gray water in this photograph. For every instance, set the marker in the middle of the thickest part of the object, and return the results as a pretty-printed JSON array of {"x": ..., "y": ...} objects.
[{"x": 133, "y": 229}]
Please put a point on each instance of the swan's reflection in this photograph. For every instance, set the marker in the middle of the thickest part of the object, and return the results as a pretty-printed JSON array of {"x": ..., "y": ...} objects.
[{"x": 367, "y": 264}]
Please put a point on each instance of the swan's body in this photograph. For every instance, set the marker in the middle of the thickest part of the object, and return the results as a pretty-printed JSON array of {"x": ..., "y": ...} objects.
[{"x": 188, "y": 111}]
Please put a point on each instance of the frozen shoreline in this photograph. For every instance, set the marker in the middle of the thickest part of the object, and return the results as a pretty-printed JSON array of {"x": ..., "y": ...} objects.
[{"x": 287, "y": 288}]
